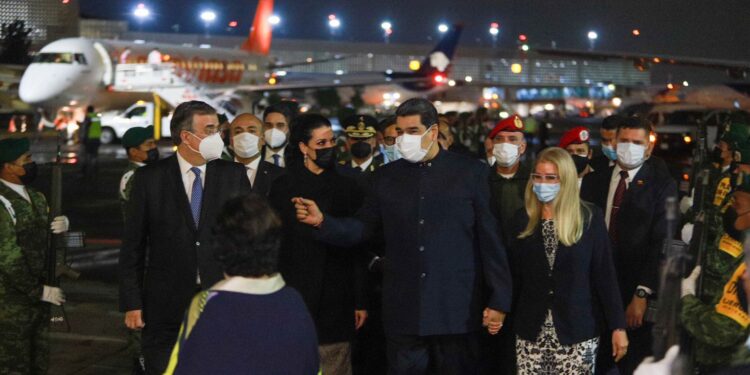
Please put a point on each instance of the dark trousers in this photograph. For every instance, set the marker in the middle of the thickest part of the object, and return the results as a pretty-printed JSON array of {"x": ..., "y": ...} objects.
[
  {"x": 442, "y": 355},
  {"x": 640, "y": 342},
  {"x": 157, "y": 342},
  {"x": 498, "y": 352}
]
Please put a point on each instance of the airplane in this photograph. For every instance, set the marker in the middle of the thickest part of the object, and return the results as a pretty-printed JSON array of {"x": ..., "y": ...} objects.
[{"x": 74, "y": 73}]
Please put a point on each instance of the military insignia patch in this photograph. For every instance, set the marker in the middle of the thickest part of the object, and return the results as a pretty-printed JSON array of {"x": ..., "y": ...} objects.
[
  {"x": 722, "y": 190},
  {"x": 729, "y": 305},
  {"x": 584, "y": 135},
  {"x": 517, "y": 121},
  {"x": 730, "y": 246}
]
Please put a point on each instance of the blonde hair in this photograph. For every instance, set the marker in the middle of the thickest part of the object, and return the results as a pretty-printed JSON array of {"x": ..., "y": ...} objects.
[{"x": 567, "y": 207}]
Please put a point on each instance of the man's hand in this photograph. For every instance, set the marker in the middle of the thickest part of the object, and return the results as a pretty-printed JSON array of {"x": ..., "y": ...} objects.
[
  {"x": 134, "y": 319},
  {"x": 688, "y": 284},
  {"x": 493, "y": 320},
  {"x": 619, "y": 344},
  {"x": 53, "y": 295},
  {"x": 360, "y": 316},
  {"x": 308, "y": 212},
  {"x": 60, "y": 224},
  {"x": 635, "y": 311}
]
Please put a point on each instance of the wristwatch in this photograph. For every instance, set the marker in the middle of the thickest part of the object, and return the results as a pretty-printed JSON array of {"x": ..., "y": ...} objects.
[{"x": 641, "y": 293}]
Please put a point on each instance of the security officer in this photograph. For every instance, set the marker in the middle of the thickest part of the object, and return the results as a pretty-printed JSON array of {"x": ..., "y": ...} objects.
[
  {"x": 576, "y": 142},
  {"x": 717, "y": 321},
  {"x": 90, "y": 133},
  {"x": 141, "y": 149},
  {"x": 361, "y": 144},
  {"x": 24, "y": 290}
]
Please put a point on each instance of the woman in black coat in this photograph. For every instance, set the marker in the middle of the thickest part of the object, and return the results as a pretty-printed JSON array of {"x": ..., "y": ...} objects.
[
  {"x": 327, "y": 277},
  {"x": 563, "y": 274}
]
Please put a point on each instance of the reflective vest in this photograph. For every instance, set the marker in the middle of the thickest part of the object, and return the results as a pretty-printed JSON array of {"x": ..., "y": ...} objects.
[{"x": 95, "y": 126}]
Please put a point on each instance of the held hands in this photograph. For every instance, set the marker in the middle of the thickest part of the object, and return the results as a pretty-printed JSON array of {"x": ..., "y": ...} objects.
[
  {"x": 635, "y": 311},
  {"x": 619, "y": 344},
  {"x": 60, "y": 224},
  {"x": 493, "y": 320},
  {"x": 53, "y": 295},
  {"x": 688, "y": 283},
  {"x": 308, "y": 211},
  {"x": 134, "y": 319},
  {"x": 360, "y": 316}
]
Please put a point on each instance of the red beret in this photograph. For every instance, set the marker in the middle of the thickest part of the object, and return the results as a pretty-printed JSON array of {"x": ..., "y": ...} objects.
[
  {"x": 510, "y": 124},
  {"x": 579, "y": 134}
]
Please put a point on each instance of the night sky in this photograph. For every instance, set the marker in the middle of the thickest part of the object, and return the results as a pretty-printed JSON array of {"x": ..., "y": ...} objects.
[{"x": 710, "y": 28}]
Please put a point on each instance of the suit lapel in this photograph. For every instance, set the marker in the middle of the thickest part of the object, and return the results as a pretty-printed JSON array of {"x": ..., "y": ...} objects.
[
  {"x": 181, "y": 199},
  {"x": 639, "y": 183},
  {"x": 261, "y": 179}
]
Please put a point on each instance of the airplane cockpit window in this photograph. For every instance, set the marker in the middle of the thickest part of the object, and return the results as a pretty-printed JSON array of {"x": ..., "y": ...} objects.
[{"x": 60, "y": 58}]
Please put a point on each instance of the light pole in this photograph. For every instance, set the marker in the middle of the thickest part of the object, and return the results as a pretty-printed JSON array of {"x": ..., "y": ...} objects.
[
  {"x": 208, "y": 16},
  {"x": 333, "y": 24},
  {"x": 494, "y": 32},
  {"x": 593, "y": 36},
  {"x": 141, "y": 13},
  {"x": 443, "y": 28},
  {"x": 387, "y": 31}
]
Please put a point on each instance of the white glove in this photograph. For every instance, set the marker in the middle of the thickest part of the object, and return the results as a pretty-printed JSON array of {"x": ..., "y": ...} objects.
[
  {"x": 60, "y": 224},
  {"x": 685, "y": 203},
  {"x": 688, "y": 284},
  {"x": 687, "y": 232},
  {"x": 663, "y": 367},
  {"x": 53, "y": 295}
]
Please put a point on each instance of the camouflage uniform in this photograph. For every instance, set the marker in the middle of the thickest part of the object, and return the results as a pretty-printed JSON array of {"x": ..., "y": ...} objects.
[{"x": 24, "y": 318}]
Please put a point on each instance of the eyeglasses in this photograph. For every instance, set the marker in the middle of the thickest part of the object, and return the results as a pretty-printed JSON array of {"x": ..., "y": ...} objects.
[{"x": 544, "y": 177}]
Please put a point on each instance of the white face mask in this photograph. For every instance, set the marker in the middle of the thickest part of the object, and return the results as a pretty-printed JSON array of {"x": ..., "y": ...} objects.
[
  {"x": 210, "y": 147},
  {"x": 630, "y": 155},
  {"x": 246, "y": 145},
  {"x": 274, "y": 137},
  {"x": 410, "y": 146},
  {"x": 506, "y": 154}
]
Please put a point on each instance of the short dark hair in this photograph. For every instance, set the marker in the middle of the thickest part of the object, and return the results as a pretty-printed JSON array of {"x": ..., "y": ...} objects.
[
  {"x": 612, "y": 122},
  {"x": 428, "y": 115},
  {"x": 300, "y": 130},
  {"x": 182, "y": 118},
  {"x": 635, "y": 122},
  {"x": 385, "y": 123},
  {"x": 286, "y": 108},
  {"x": 247, "y": 237}
]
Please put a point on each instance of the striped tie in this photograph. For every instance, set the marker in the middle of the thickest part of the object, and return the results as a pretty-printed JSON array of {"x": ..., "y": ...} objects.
[{"x": 196, "y": 196}]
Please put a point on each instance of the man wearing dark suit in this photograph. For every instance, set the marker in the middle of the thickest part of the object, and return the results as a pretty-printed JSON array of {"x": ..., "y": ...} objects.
[
  {"x": 246, "y": 142},
  {"x": 442, "y": 247},
  {"x": 633, "y": 194},
  {"x": 165, "y": 257}
]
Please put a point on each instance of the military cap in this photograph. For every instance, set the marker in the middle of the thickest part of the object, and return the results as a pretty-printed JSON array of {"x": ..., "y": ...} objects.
[
  {"x": 360, "y": 126},
  {"x": 12, "y": 148},
  {"x": 579, "y": 134},
  {"x": 510, "y": 124},
  {"x": 735, "y": 134},
  {"x": 135, "y": 136}
]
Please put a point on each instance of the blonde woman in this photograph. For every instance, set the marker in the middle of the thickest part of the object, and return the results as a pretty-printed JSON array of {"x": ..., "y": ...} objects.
[{"x": 564, "y": 277}]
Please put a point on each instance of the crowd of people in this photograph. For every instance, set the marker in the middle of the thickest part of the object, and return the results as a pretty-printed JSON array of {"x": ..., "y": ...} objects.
[{"x": 415, "y": 244}]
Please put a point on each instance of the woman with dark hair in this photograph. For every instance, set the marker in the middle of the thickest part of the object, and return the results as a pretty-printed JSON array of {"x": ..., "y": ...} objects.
[
  {"x": 276, "y": 121},
  {"x": 249, "y": 322},
  {"x": 328, "y": 277}
]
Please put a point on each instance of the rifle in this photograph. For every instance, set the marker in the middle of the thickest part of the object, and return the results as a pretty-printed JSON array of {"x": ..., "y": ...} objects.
[
  {"x": 55, "y": 209},
  {"x": 702, "y": 177},
  {"x": 666, "y": 329}
]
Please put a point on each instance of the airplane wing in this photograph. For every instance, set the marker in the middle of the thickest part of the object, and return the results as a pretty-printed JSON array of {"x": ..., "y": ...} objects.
[
  {"x": 642, "y": 61},
  {"x": 340, "y": 81}
]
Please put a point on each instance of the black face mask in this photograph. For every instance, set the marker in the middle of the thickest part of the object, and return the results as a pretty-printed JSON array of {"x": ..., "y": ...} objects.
[
  {"x": 153, "y": 155},
  {"x": 716, "y": 156},
  {"x": 581, "y": 162},
  {"x": 728, "y": 220},
  {"x": 31, "y": 172},
  {"x": 325, "y": 157},
  {"x": 361, "y": 150}
]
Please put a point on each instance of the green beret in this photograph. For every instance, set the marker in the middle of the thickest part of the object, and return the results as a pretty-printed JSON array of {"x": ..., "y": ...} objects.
[
  {"x": 735, "y": 133},
  {"x": 12, "y": 148},
  {"x": 134, "y": 137},
  {"x": 360, "y": 126}
]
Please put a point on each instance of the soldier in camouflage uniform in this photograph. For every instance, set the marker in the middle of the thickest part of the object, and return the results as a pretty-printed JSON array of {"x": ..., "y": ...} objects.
[
  {"x": 24, "y": 295},
  {"x": 717, "y": 321},
  {"x": 141, "y": 148}
]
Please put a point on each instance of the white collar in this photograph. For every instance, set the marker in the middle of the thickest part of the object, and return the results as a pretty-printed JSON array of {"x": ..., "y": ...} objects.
[
  {"x": 507, "y": 176},
  {"x": 280, "y": 152},
  {"x": 251, "y": 165},
  {"x": 138, "y": 163},
  {"x": 631, "y": 172},
  {"x": 249, "y": 285},
  {"x": 364, "y": 165},
  {"x": 19, "y": 189},
  {"x": 185, "y": 165}
]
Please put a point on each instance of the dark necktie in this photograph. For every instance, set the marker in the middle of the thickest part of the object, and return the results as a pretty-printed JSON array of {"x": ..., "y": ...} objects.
[
  {"x": 196, "y": 196},
  {"x": 622, "y": 186},
  {"x": 276, "y": 159}
]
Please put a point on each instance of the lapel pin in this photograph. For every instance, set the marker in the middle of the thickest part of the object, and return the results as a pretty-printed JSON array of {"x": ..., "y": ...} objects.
[{"x": 640, "y": 182}]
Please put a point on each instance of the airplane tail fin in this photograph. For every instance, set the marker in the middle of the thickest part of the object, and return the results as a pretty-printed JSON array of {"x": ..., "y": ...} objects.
[
  {"x": 440, "y": 58},
  {"x": 259, "y": 40}
]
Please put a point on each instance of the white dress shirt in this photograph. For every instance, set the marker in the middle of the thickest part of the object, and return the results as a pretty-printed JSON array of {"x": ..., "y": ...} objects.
[
  {"x": 20, "y": 189},
  {"x": 364, "y": 165},
  {"x": 188, "y": 176},
  {"x": 270, "y": 153},
  {"x": 252, "y": 169}
]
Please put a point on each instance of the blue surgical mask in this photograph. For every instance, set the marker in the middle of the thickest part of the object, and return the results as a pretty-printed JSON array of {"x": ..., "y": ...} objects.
[
  {"x": 609, "y": 152},
  {"x": 391, "y": 153},
  {"x": 546, "y": 192}
]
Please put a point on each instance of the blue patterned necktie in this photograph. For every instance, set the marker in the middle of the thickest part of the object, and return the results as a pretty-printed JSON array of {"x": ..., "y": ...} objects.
[
  {"x": 196, "y": 196},
  {"x": 276, "y": 158}
]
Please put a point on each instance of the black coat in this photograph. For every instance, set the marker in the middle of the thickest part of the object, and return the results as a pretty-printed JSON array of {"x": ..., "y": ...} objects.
[
  {"x": 328, "y": 277},
  {"x": 641, "y": 222},
  {"x": 160, "y": 228},
  {"x": 581, "y": 288},
  {"x": 442, "y": 244},
  {"x": 265, "y": 176}
]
